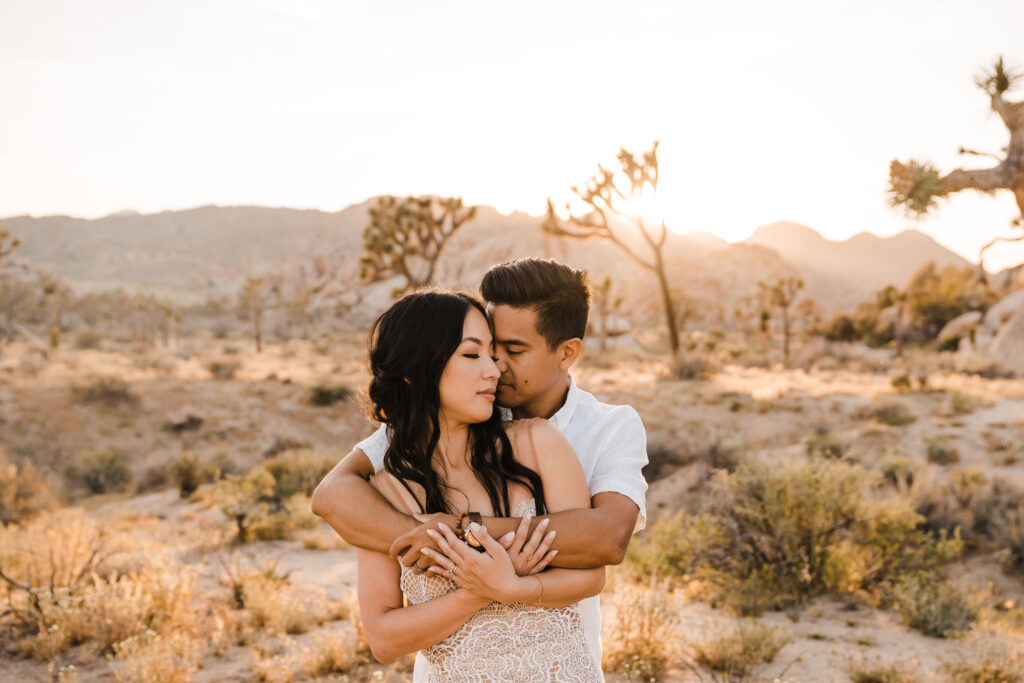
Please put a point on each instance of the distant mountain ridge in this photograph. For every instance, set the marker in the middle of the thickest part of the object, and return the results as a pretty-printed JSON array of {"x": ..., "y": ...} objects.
[{"x": 211, "y": 249}]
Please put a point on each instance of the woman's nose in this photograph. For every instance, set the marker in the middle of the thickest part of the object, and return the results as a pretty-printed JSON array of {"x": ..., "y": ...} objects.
[{"x": 492, "y": 370}]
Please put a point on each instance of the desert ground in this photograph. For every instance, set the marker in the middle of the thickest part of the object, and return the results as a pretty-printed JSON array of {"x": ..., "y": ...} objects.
[{"x": 225, "y": 409}]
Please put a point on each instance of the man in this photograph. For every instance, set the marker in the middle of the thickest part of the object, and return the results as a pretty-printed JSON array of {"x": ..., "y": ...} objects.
[{"x": 539, "y": 308}]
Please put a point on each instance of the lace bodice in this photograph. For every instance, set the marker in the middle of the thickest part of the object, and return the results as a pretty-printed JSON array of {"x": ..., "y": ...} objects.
[{"x": 512, "y": 642}]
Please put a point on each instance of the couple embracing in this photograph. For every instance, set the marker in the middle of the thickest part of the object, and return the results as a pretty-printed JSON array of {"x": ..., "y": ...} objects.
[{"x": 502, "y": 488}]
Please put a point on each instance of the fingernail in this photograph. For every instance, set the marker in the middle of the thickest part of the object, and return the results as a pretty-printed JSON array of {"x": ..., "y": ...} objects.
[
  {"x": 551, "y": 535},
  {"x": 553, "y": 553},
  {"x": 545, "y": 522},
  {"x": 508, "y": 537},
  {"x": 431, "y": 533},
  {"x": 444, "y": 526}
]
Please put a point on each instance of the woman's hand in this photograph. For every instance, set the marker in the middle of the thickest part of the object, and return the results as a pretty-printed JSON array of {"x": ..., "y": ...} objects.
[
  {"x": 529, "y": 556},
  {"x": 489, "y": 574}
]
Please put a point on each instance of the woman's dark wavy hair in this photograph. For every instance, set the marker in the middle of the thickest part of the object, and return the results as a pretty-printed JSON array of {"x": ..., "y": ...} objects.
[{"x": 409, "y": 345}]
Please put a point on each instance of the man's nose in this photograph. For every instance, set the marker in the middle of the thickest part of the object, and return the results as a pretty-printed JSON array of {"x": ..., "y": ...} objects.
[{"x": 499, "y": 360}]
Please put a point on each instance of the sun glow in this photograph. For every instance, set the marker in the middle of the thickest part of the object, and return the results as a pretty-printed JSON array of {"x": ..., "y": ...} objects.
[{"x": 646, "y": 206}]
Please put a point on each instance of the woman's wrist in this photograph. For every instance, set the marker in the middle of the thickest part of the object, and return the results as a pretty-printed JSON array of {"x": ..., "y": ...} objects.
[
  {"x": 472, "y": 599},
  {"x": 525, "y": 589}
]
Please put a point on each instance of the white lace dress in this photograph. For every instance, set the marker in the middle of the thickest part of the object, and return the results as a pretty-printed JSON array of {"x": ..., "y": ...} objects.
[{"x": 508, "y": 643}]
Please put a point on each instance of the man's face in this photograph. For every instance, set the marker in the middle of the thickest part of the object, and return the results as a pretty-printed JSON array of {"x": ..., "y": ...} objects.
[{"x": 528, "y": 367}]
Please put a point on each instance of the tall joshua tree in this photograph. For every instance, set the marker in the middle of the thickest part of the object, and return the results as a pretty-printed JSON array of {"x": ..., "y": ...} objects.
[
  {"x": 605, "y": 200},
  {"x": 916, "y": 186},
  {"x": 405, "y": 237}
]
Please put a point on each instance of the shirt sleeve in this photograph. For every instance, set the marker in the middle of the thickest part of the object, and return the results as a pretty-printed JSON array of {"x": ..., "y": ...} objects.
[
  {"x": 622, "y": 457},
  {"x": 375, "y": 446}
]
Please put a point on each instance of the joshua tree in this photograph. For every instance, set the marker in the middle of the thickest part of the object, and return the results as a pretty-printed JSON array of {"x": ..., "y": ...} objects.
[
  {"x": 607, "y": 302},
  {"x": 7, "y": 243},
  {"x": 254, "y": 299},
  {"x": 405, "y": 237},
  {"x": 915, "y": 186},
  {"x": 605, "y": 201},
  {"x": 780, "y": 294}
]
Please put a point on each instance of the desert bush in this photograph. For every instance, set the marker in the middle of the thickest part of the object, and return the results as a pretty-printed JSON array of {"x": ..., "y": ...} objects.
[
  {"x": 901, "y": 382},
  {"x": 105, "y": 390},
  {"x": 157, "y": 658},
  {"x": 24, "y": 492},
  {"x": 189, "y": 472},
  {"x": 245, "y": 499},
  {"x": 298, "y": 471},
  {"x": 327, "y": 393},
  {"x": 738, "y": 652},
  {"x": 1007, "y": 529},
  {"x": 871, "y": 672},
  {"x": 960, "y": 403},
  {"x": 64, "y": 592},
  {"x": 933, "y": 605},
  {"x": 940, "y": 453},
  {"x": 224, "y": 369},
  {"x": 102, "y": 471},
  {"x": 269, "y": 600},
  {"x": 986, "y": 660},
  {"x": 284, "y": 443},
  {"x": 823, "y": 443},
  {"x": 899, "y": 471},
  {"x": 87, "y": 339},
  {"x": 689, "y": 365},
  {"x": 891, "y": 412},
  {"x": 643, "y": 640},
  {"x": 771, "y": 535}
]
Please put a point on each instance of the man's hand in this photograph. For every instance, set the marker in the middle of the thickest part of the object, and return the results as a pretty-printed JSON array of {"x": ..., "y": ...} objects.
[
  {"x": 529, "y": 556},
  {"x": 410, "y": 545}
]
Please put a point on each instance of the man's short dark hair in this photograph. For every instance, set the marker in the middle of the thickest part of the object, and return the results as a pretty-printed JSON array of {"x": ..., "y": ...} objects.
[{"x": 560, "y": 295}]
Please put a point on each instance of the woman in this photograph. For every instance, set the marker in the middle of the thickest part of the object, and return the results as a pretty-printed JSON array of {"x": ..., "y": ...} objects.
[{"x": 433, "y": 385}]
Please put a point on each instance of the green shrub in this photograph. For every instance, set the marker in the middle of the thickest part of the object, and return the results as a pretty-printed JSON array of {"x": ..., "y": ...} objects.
[
  {"x": 872, "y": 672},
  {"x": 899, "y": 471},
  {"x": 901, "y": 382},
  {"x": 190, "y": 473},
  {"x": 933, "y": 605},
  {"x": 105, "y": 390},
  {"x": 297, "y": 472},
  {"x": 960, "y": 403},
  {"x": 102, "y": 471},
  {"x": 643, "y": 639},
  {"x": 328, "y": 393},
  {"x": 824, "y": 444},
  {"x": 892, "y": 413},
  {"x": 942, "y": 454},
  {"x": 771, "y": 535}
]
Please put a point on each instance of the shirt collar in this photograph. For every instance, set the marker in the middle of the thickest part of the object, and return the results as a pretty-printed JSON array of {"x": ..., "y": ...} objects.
[{"x": 564, "y": 414}]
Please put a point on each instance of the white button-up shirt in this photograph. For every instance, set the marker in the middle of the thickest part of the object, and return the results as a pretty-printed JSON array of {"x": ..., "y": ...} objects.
[{"x": 611, "y": 444}]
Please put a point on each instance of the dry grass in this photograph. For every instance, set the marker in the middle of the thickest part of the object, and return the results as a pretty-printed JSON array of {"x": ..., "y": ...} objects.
[{"x": 643, "y": 641}]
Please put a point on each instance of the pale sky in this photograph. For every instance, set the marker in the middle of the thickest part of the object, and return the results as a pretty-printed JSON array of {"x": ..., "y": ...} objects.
[{"x": 765, "y": 110}]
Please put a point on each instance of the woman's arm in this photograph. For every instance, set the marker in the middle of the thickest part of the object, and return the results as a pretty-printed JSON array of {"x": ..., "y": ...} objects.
[{"x": 393, "y": 630}]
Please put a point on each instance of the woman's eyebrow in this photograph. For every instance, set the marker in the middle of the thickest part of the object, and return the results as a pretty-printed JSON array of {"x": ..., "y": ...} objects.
[{"x": 472, "y": 339}]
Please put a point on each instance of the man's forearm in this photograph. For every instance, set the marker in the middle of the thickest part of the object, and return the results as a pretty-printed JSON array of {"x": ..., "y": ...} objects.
[
  {"x": 358, "y": 512},
  {"x": 586, "y": 538}
]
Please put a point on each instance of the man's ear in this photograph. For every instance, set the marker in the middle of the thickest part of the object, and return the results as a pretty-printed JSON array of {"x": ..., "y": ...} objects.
[{"x": 569, "y": 352}]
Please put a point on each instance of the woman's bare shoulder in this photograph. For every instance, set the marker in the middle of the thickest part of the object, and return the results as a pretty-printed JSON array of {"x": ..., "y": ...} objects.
[{"x": 533, "y": 435}]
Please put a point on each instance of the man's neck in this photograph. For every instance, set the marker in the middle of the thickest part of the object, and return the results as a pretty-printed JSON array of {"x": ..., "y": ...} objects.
[{"x": 547, "y": 404}]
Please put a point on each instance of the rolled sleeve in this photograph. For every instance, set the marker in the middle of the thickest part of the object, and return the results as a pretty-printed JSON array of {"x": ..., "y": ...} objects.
[
  {"x": 375, "y": 446},
  {"x": 619, "y": 469}
]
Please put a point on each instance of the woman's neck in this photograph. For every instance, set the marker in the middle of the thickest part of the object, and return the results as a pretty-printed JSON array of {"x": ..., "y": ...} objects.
[{"x": 453, "y": 446}]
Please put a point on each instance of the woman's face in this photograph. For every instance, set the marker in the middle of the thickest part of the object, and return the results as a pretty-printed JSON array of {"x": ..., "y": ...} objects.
[{"x": 470, "y": 377}]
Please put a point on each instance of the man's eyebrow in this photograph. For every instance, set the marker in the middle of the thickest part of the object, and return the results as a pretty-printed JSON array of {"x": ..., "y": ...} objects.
[{"x": 513, "y": 342}]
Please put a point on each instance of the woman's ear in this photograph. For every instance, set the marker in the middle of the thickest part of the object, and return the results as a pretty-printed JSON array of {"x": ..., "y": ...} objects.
[{"x": 569, "y": 352}]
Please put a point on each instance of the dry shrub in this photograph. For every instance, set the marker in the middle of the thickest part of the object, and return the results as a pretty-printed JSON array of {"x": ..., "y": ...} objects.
[
  {"x": 269, "y": 600},
  {"x": 87, "y": 339},
  {"x": 189, "y": 472},
  {"x": 824, "y": 444},
  {"x": 771, "y": 535},
  {"x": 890, "y": 412},
  {"x": 105, "y": 390},
  {"x": 871, "y": 672},
  {"x": 960, "y": 403},
  {"x": 899, "y": 471},
  {"x": 224, "y": 369},
  {"x": 643, "y": 638},
  {"x": 987, "y": 659},
  {"x": 689, "y": 365},
  {"x": 156, "y": 658},
  {"x": 738, "y": 652},
  {"x": 101, "y": 471},
  {"x": 940, "y": 453},
  {"x": 24, "y": 492},
  {"x": 327, "y": 393}
]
